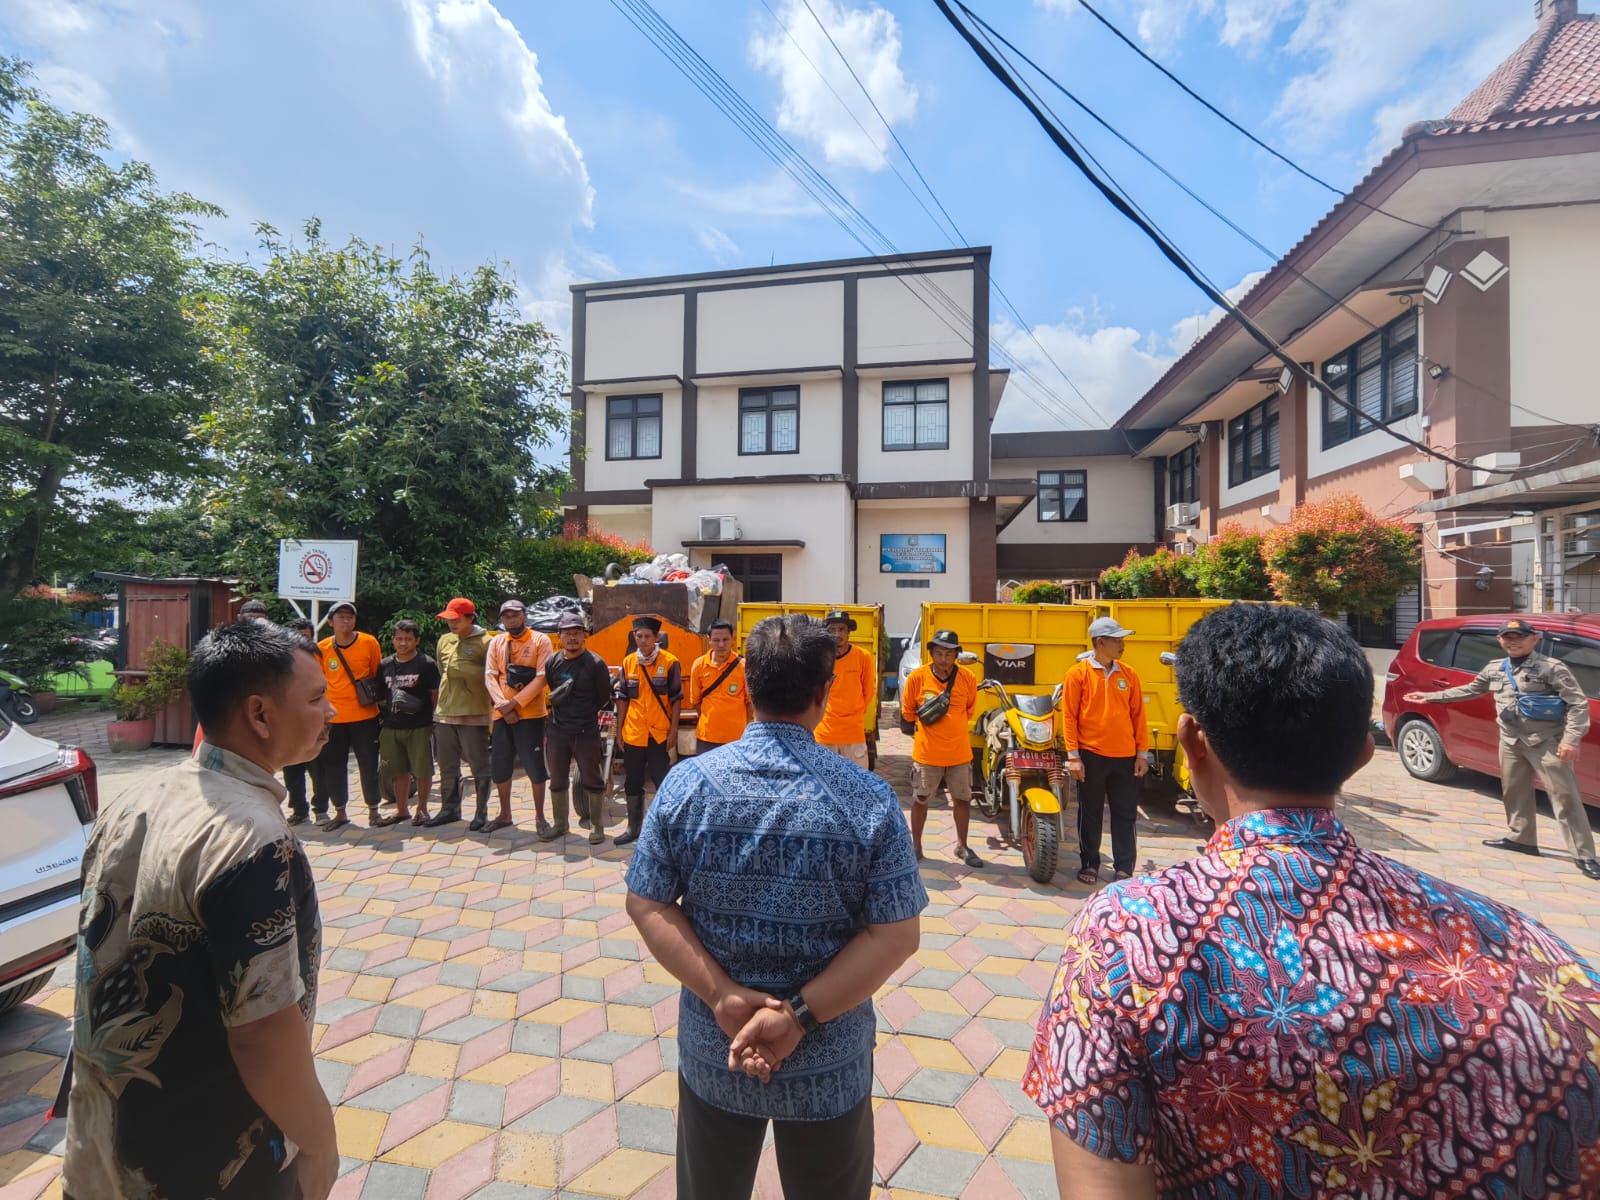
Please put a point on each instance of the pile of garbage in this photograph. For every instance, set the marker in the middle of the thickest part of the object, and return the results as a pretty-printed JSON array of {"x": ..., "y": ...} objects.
[
  {"x": 544, "y": 615},
  {"x": 674, "y": 568}
]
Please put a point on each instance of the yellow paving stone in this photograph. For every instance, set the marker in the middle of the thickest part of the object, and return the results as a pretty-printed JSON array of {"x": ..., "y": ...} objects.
[
  {"x": 47, "y": 1086},
  {"x": 593, "y": 873},
  {"x": 342, "y": 876},
  {"x": 24, "y": 1162},
  {"x": 1027, "y": 1139},
  {"x": 998, "y": 933},
  {"x": 546, "y": 961},
  {"x": 437, "y": 1060},
  {"x": 437, "y": 1143},
  {"x": 995, "y": 965},
  {"x": 431, "y": 949},
  {"x": 478, "y": 918},
  {"x": 1008, "y": 1064},
  {"x": 938, "y": 960},
  {"x": 59, "y": 1002},
  {"x": 559, "y": 1012},
  {"x": 610, "y": 900},
  {"x": 654, "y": 972},
  {"x": 933, "y": 1000},
  {"x": 378, "y": 908},
  {"x": 528, "y": 1159},
  {"x": 481, "y": 957},
  {"x": 986, "y": 902},
  {"x": 516, "y": 891},
  {"x": 376, "y": 941},
  {"x": 587, "y": 930},
  {"x": 359, "y": 1130},
  {"x": 363, "y": 1048},
  {"x": 932, "y": 1052},
  {"x": 660, "y": 1092},
  {"x": 507, "y": 1069},
  {"x": 1050, "y": 937},
  {"x": 525, "y": 924},
  {"x": 429, "y": 996},
  {"x": 936, "y": 1125},
  {"x": 370, "y": 987},
  {"x": 902, "y": 1194},
  {"x": 939, "y": 925},
  {"x": 428, "y": 910},
  {"x": 501, "y": 1005},
  {"x": 22, "y": 1060},
  {"x": 332, "y": 936},
  {"x": 621, "y": 1173},
  {"x": 630, "y": 1018},
  {"x": 317, "y": 1030},
  {"x": 598, "y": 968},
  {"x": 1011, "y": 1008},
  {"x": 589, "y": 1079}
]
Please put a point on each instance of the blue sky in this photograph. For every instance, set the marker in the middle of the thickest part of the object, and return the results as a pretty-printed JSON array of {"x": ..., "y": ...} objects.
[{"x": 555, "y": 138}]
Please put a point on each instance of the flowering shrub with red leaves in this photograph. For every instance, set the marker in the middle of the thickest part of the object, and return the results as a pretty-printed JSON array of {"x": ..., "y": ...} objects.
[
  {"x": 1336, "y": 556},
  {"x": 1231, "y": 565},
  {"x": 1145, "y": 576}
]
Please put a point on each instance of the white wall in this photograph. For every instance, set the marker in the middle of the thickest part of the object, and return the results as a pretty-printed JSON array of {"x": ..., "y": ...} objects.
[
  {"x": 632, "y": 339},
  {"x": 1373, "y": 444},
  {"x": 908, "y": 318},
  {"x": 769, "y": 328},
  {"x": 902, "y": 606},
  {"x": 1121, "y": 501},
  {"x": 631, "y": 523},
  {"x": 820, "y": 452},
  {"x": 818, "y": 514},
  {"x": 599, "y": 475},
  {"x": 877, "y": 465}
]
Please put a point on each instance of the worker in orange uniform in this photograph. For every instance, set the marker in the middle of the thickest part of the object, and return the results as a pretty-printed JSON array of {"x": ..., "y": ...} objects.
[
  {"x": 348, "y": 657},
  {"x": 843, "y": 728},
  {"x": 1107, "y": 740},
  {"x": 716, "y": 689},
  {"x": 513, "y": 673},
  {"x": 649, "y": 698},
  {"x": 938, "y": 700}
]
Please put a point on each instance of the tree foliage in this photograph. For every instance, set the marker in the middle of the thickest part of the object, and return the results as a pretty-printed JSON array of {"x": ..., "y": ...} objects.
[
  {"x": 538, "y": 567},
  {"x": 1231, "y": 566},
  {"x": 1336, "y": 556},
  {"x": 1156, "y": 575},
  {"x": 101, "y": 377},
  {"x": 368, "y": 396},
  {"x": 1040, "y": 591}
]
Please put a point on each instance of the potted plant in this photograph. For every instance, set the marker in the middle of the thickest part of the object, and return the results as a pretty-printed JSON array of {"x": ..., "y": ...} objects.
[
  {"x": 138, "y": 702},
  {"x": 43, "y": 688}
]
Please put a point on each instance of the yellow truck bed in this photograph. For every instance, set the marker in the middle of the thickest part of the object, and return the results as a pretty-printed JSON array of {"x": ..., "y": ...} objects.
[{"x": 867, "y": 633}]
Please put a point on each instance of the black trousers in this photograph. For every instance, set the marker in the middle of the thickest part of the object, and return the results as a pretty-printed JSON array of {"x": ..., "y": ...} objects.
[
  {"x": 334, "y": 761},
  {"x": 643, "y": 762},
  {"x": 718, "y": 1152},
  {"x": 1108, "y": 779},
  {"x": 294, "y": 778},
  {"x": 562, "y": 748}
]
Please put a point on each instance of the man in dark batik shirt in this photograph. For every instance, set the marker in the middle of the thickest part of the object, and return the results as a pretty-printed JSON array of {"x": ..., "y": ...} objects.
[{"x": 198, "y": 949}]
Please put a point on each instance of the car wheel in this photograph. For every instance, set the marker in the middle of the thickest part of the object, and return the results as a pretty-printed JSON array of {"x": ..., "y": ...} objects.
[
  {"x": 1422, "y": 752},
  {"x": 26, "y": 990}
]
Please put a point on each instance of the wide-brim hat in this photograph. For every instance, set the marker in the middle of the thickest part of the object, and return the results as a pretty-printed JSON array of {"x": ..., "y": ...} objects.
[
  {"x": 458, "y": 608},
  {"x": 1107, "y": 627},
  {"x": 837, "y": 616},
  {"x": 653, "y": 624},
  {"x": 946, "y": 639}
]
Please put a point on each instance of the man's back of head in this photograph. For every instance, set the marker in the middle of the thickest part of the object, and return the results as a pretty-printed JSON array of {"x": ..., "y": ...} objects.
[{"x": 787, "y": 660}]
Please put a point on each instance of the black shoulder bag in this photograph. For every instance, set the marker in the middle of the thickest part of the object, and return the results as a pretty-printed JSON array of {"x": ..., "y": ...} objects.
[
  {"x": 720, "y": 679},
  {"x": 369, "y": 690},
  {"x": 933, "y": 708}
]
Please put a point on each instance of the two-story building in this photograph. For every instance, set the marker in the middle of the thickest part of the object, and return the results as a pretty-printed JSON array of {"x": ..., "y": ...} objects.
[{"x": 1450, "y": 296}]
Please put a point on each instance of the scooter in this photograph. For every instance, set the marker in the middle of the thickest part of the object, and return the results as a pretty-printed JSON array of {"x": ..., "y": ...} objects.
[
  {"x": 1023, "y": 775},
  {"x": 16, "y": 701}
]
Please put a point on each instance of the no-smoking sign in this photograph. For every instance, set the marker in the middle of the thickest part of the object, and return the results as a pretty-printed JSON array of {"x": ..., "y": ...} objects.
[{"x": 317, "y": 570}]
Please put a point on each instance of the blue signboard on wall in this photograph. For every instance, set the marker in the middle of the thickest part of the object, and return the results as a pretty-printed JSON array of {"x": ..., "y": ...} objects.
[{"x": 911, "y": 553}]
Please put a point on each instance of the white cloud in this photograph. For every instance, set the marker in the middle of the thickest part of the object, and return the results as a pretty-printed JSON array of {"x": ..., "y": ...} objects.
[
  {"x": 771, "y": 197},
  {"x": 387, "y": 119},
  {"x": 821, "y": 102},
  {"x": 722, "y": 248},
  {"x": 1113, "y": 365}
]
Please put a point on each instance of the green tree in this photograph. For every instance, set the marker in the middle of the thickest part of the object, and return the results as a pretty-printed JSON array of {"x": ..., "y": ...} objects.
[
  {"x": 1150, "y": 576},
  {"x": 1336, "y": 556},
  {"x": 1040, "y": 591},
  {"x": 101, "y": 376},
  {"x": 1231, "y": 567},
  {"x": 367, "y": 396}
]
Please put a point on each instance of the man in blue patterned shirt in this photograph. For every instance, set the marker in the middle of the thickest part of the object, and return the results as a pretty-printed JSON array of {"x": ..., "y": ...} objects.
[{"x": 777, "y": 881}]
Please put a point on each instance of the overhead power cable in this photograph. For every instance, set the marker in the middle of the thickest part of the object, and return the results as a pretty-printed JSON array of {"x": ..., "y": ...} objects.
[{"x": 990, "y": 57}]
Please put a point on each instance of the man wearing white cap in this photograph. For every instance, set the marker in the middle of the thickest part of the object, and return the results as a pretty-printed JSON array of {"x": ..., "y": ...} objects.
[{"x": 1106, "y": 735}]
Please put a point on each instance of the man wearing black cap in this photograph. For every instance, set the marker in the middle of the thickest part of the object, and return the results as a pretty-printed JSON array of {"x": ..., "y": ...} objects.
[
  {"x": 1543, "y": 716},
  {"x": 514, "y": 673},
  {"x": 649, "y": 695},
  {"x": 843, "y": 728},
  {"x": 347, "y": 656},
  {"x": 579, "y": 687},
  {"x": 939, "y": 698}
]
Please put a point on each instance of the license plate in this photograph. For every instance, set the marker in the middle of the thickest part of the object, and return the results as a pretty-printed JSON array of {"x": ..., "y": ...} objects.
[{"x": 1035, "y": 760}]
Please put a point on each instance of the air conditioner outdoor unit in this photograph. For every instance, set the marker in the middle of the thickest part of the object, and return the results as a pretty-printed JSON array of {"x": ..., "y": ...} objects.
[
  {"x": 1181, "y": 515},
  {"x": 719, "y": 529}
]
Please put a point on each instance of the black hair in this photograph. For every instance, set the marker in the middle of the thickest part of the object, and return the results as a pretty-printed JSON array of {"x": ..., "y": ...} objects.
[
  {"x": 715, "y": 625},
  {"x": 233, "y": 662},
  {"x": 786, "y": 659},
  {"x": 1283, "y": 695},
  {"x": 250, "y": 607},
  {"x": 407, "y": 625}
]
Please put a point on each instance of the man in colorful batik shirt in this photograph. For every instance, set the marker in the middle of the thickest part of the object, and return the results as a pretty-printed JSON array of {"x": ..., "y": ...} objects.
[{"x": 1289, "y": 1015}]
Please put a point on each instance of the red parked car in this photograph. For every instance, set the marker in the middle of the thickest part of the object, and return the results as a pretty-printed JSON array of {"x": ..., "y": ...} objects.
[{"x": 1435, "y": 739}]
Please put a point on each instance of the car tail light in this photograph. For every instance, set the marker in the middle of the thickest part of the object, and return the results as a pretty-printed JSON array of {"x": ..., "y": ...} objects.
[{"x": 76, "y": 770}]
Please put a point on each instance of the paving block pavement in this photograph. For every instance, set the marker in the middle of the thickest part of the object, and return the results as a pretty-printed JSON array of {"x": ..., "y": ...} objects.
[{"x": 491, "y": 1027}]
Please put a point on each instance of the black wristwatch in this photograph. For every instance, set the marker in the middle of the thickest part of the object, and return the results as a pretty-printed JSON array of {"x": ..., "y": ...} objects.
[{"x": 802, "y": 1013}]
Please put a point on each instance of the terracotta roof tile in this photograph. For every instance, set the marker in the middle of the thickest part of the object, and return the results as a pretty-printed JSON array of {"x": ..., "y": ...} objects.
[{"x": 1552, "y": 78}]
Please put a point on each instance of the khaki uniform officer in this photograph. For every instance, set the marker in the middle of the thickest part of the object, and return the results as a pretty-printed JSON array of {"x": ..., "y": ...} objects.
[{"x": 1528, "y": 744}]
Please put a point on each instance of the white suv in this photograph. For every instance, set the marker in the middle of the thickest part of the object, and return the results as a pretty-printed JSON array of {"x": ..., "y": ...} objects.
[{"x": 48, "y": 800}]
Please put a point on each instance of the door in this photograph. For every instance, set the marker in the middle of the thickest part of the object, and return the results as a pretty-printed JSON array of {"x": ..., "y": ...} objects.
[
  {"x": 1471, "y": 733},
  {"x": 760, "y": 574},
  {"x": 1582, "y": 655}
]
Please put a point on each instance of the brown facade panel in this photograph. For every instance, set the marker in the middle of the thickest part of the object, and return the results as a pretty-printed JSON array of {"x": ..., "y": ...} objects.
[
  {"x": 1083, "y": 560},
  {"x": 983, "y": 570}
]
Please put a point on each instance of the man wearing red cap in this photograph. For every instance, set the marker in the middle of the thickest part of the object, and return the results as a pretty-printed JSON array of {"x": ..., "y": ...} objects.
[{"x": 461, "y": 721}]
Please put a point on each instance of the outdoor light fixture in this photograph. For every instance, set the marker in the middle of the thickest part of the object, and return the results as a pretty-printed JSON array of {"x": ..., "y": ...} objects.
[
  {"x": 1438, "y": 280},
  {"x": 1437, "y": 371},
  {"x": 1485, "y": 577},
  {"x": 1285, "y": 379}
]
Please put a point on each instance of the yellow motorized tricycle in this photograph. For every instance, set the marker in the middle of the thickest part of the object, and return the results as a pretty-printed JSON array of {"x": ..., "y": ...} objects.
[{"x": 1024, "y": 779}]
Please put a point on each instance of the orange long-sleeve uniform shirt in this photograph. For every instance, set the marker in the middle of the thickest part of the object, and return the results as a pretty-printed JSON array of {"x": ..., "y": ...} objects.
[
  {"x": 531, "y": 650},
  {"x": 945, "y": 743},
  {"x": 723, "y": 712},
  {"x": 364, "y": 654},
  {"x": 855, "y": 686},
  {"x": 1103, "y": 713}
]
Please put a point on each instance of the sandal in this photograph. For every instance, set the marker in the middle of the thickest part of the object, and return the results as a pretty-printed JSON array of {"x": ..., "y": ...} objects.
[
  {"x": 1124, "y": 875},
  {"x": 375, "y": 821},
  {"x": 499, "y": 823},
  {"x": 419, "y": 818},
  {"x": 1089, "y": 875},
  {"x": 336, "y": 822}
]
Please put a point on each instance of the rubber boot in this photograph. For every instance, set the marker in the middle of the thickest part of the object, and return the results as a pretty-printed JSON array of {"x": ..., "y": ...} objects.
[
  {"x": 480, "y": 816},
  {"x": 559, "y": 802},
  {"x": 449, "y": 808},
  {"x": 594, "y": 803},
  {"x": 635, "y": 819},
  {"x": 580, "y": 805}
]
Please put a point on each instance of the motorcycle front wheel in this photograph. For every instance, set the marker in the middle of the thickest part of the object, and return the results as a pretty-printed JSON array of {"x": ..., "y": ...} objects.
[
  {"x": 1040, "y": 845},
  {"x": 24, "y": 709}
]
